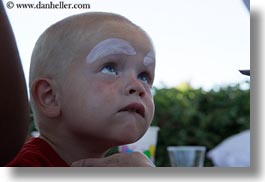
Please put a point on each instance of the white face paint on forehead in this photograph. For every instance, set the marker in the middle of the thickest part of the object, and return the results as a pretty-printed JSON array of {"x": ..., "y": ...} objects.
[
  {"x": 110, "y": 46},
  {"x": 149, "y": 58}
]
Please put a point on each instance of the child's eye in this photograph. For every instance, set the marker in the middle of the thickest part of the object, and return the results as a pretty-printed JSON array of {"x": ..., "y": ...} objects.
[
  {"x": 109, "y": 69},
  {"x": 145, "y": 78}
]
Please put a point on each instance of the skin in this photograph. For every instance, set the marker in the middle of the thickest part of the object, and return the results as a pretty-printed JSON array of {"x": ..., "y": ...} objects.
[
  {"x": 13, "y": 94},
  {"x": 134, "y": 159},
  {"x": 83, "y": 108}
]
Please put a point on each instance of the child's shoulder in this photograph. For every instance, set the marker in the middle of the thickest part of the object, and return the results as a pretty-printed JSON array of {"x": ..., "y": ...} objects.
[{"x": 37, "y": 153}]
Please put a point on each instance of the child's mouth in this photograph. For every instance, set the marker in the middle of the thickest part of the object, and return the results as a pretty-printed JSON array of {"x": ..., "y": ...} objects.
[{"x": 134, "y": 107}]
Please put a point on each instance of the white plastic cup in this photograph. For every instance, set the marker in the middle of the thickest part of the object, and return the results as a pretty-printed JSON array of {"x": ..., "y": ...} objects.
[
  {"x": 186, "y": 156},
  {"x": 146, "y": 144}
]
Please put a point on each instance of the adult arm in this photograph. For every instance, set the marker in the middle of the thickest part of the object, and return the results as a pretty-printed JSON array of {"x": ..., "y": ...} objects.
[
  {"x": 134, "y": 159},
  {"x": 14, "y": 107}
]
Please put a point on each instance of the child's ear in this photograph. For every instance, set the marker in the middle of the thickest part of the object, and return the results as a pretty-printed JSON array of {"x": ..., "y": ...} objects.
[{"x": 46, "y": 97}]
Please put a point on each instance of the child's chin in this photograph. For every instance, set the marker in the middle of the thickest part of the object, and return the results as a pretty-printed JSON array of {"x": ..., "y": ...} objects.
[{"x": 129, "y": 140}]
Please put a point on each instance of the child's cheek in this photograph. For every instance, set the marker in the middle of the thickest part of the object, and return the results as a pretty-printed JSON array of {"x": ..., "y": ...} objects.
[
  {"x": 107, "y": 87},
  {"x": 152, "y": 108}
]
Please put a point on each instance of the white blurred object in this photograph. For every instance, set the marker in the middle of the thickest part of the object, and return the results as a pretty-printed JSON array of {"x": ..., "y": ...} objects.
[
  {"x": 232, "y": 152},
  {"x": 247, "y": 4},
  {"x": 146, "y": 144},
  {"x": 35, "y": 134}
]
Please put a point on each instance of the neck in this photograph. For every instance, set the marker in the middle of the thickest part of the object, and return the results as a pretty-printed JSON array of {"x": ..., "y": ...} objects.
[{"x": 72, "y": 149}]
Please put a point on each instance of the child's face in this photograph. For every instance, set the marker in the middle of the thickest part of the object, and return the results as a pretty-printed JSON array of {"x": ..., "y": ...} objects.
[{"x": 107, "y": 97}]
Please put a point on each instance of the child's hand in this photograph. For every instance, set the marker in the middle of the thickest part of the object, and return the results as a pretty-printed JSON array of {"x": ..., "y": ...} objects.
[{"x": 134, "y": 159}]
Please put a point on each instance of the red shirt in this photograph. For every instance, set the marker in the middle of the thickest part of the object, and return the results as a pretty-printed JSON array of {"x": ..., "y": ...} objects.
[{"x": 37, "y": 153}]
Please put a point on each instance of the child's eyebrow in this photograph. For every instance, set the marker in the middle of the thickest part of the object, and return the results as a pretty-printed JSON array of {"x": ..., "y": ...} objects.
[
  {"x": 110, "y": 46},
  {"x": 149, "y": 58}
]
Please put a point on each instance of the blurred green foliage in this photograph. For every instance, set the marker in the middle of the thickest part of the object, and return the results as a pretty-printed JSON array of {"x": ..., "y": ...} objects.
[
  {"x": 32, "y": 126},
  {"x": 188, "y": 116}
]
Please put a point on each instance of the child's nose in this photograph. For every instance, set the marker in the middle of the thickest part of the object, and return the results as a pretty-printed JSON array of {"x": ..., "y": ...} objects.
[{"x": 134, "y": 87}]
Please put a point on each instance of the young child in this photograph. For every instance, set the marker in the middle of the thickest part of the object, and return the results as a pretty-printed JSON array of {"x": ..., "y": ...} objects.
[{"x": 90, "y": 83}]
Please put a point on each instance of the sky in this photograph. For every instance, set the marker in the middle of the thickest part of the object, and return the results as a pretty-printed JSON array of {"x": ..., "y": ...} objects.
[{"x": 203, "y": 42}]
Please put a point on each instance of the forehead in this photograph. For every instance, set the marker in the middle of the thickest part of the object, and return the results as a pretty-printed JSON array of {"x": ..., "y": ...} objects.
[
  {"x": 136, "y": 37},
  {"x": 82, "y": 35}
]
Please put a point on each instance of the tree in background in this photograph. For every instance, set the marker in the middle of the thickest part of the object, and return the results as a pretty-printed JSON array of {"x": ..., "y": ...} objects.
[{"x": 188, "y": 116}]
